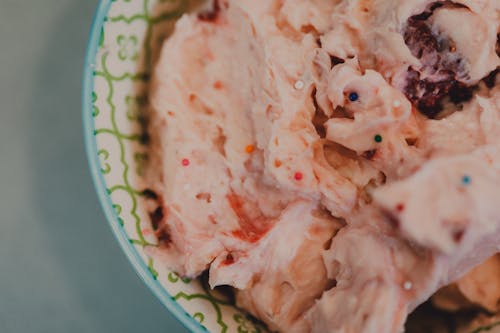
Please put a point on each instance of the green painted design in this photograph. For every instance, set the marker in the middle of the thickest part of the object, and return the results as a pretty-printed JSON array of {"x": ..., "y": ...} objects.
[
  {"x": 95, "y": 109},
  {"x": 125, "y": 60},
  {"x": 152, "y": 269},
  {"x": 486, "y": 328},
  {"x": 105, "y": 155},
  {"x": 244, "y": 324},
  {"x": 101, "y": 38},
  {"x": 128, "y": 48},
  {"x": 127, "y": 187},
  {"x": 173, "y": 277},
  {"x": 186, "y": 280},
  {"x": 142, "y": 243},
  {"x": 134, "y": 106},
  {"x": 140, "y": 160},
  {"x": 118, "y": 210},
  {"x": 133, "y": 137},
  {"x": 222, "y": 324},
  {"x": 199, "y": 316}
]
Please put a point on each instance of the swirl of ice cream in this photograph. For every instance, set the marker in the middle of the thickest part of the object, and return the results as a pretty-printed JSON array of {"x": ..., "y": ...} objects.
[{"x": 336, "y": 162}]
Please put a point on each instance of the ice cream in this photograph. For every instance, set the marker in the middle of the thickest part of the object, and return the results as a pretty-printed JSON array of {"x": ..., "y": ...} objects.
[{"x": 336, "y": 162}]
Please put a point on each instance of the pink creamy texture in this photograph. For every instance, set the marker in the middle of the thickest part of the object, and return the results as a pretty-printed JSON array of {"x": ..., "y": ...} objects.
[{"x": 336, "y": 162}]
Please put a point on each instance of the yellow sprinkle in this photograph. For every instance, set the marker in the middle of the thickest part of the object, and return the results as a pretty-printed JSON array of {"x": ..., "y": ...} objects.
[{"x": 249, "y": 149}]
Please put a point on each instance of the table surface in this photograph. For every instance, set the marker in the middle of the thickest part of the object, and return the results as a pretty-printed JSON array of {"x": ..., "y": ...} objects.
[{"x": 60, "y": 268}]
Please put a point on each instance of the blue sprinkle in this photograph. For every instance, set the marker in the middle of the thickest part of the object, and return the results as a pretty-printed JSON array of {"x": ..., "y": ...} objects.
[
  {"x": 353, "y": 97},
  {"x": 466, "y": 180}
]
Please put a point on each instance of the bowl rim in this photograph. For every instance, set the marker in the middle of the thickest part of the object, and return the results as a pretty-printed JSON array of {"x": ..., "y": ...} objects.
[{"x": 90, "y": 142}]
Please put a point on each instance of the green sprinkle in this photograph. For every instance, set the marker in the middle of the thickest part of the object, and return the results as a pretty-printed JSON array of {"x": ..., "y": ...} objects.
[{"x": 378, "y": 138}]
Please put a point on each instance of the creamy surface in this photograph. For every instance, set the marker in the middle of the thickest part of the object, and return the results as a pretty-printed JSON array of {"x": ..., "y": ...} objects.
[{"x": 336, "y": 162}]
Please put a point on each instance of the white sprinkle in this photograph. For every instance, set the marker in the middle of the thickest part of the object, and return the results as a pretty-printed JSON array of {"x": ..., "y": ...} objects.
[
  {"x": 408, "y": 285},
  {"x": 299, "y": 85},
  {"x": 396, "y": 103}
]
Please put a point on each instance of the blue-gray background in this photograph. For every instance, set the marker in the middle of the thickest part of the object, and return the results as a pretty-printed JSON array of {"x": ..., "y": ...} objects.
[{"x": 60, "y": 267}]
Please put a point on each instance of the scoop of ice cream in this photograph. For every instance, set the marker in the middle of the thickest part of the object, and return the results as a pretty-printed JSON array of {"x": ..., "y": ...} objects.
[{"x": 276, "y": 123}]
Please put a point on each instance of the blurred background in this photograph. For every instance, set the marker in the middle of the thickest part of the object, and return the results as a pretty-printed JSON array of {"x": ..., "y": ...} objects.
[{"x": 60, "y": 268}]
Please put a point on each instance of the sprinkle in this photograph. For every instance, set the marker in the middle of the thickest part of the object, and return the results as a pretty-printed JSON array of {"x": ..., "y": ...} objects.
[
  {"x": 377, "y": 138},
  {"x": 185, "y": 162},
  {"x": 298, "y": 176},
  {"x": 466, "y": 180},
  {"x": 249, "y": 149},
  {"x": 396, "y": 103},
  {"x": 400, "y": 207},
  {"x": 277, "y": 163},
  {"x": 217, "y": 85},
  {"x": 299, "y": 85},
  {"x": 146, "y": 232},
  {"x": 353, "y": 97},
  {"x": 408, "y": 285}
]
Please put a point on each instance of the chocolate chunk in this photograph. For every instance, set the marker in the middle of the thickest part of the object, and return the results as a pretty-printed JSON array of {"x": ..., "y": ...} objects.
[
  {"x": 150, "y": 194},
  {"x": 156, "y": 217},
  {"x": 163, "y": 235},
  {"x": 490, "y": 79},
  {"x": 441, "y": 71},
  {"x": 392, "y": 219},
  {"x": 458, "y": 235},
  {"x": 211, "y": 14},
  {"x": 369, "y": 154},
  {"x": 420, "y": 39}
]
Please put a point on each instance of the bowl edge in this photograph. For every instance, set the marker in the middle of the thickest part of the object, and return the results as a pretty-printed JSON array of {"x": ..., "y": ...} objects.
[{"x": 90, "y": 143}]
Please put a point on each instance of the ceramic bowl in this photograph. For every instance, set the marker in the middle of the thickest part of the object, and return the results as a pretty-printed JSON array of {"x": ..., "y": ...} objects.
[{"x": 123, "y": 46}]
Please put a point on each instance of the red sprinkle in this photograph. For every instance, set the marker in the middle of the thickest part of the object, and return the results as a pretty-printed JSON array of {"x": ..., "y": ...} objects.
[
  {"x": 185, "y": 162},
  {"x": 400, "y": 207},
  {"x": 298, "y": 176},
  {"x": 218, "y": 85}
]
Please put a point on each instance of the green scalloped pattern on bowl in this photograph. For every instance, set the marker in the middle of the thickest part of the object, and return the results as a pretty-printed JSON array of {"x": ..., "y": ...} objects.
[{"x": 125, "y": 38}]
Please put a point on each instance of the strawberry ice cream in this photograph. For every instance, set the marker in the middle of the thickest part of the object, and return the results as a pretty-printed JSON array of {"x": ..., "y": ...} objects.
[{"x": 336, "y": 162}]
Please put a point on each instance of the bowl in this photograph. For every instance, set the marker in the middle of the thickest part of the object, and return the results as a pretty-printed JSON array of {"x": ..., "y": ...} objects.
[{"x": 124, "y": 42}]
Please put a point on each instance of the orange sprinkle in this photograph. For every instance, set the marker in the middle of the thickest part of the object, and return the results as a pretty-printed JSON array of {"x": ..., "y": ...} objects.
[
  {"x": 298, "y": 176},
  {"x": 170, "y": 113},
  {"x": 218, "y": 85},
  {"x": 192, "y": 97},
  {"x": 249, "y": 149},
  {"x": 277, "y": 163}
]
